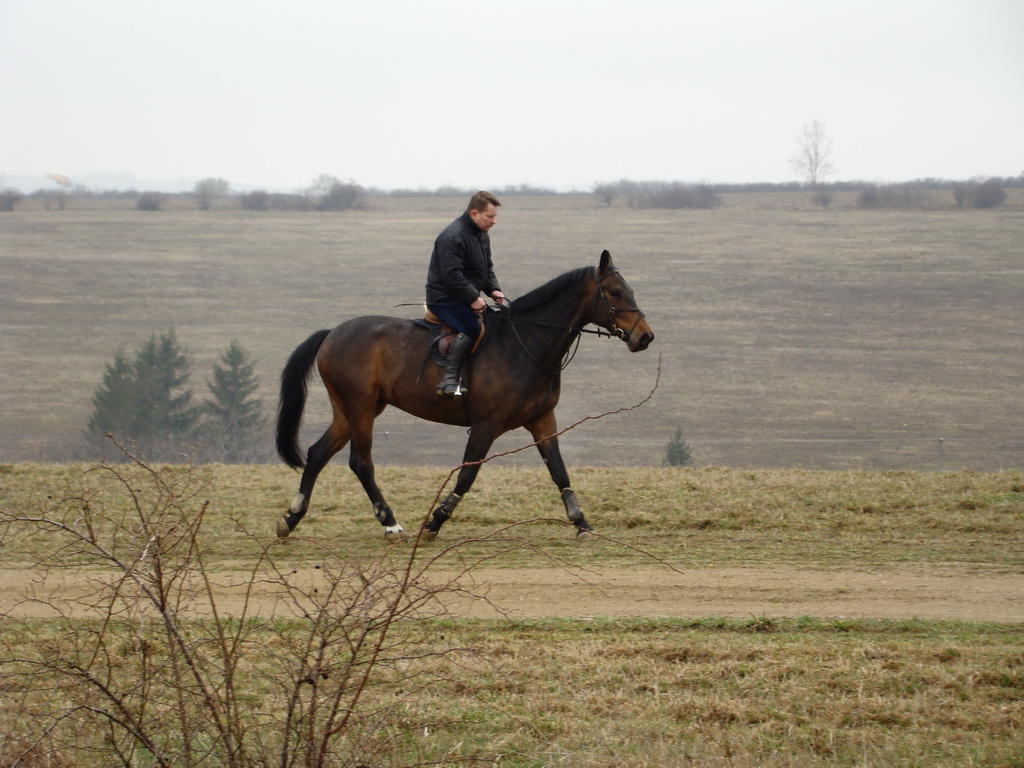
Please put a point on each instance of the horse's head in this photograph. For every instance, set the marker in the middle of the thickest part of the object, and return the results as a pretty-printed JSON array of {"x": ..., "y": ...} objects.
[{"x": 615, "y": 308}]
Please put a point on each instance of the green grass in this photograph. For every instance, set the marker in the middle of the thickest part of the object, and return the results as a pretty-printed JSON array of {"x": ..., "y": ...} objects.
[{"x": 678, "y": 516}]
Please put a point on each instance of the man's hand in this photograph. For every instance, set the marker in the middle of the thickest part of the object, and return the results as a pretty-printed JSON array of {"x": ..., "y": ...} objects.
[
  {"x": 498, "y": 296},
  {"x": 478, "y": 305}
]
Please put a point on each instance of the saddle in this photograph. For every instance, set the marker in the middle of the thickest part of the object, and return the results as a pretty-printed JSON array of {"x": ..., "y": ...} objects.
[{"x": 442, "y": 336}]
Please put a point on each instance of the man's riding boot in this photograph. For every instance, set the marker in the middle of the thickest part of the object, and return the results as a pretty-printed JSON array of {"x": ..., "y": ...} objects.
[{"x": 451, "y": 381}]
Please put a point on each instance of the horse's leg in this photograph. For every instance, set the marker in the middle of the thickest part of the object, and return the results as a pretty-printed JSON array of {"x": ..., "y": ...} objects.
[
  {"x": 361, "y": 463},
  {"x": 321, "y": 452},
  {"x": 543, "y": 431},
  {"x": 480, "y": 441}
]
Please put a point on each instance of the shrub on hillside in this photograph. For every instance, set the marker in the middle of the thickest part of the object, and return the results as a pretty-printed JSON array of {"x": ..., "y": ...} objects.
[
  {"x": 9, "y": 198},
  {"x": 890, "y": 196},
  {"x": 606, "y": 193},
  {"x": 988, "y": 194},
  {"x": 208, "y": 190},
  {"x": 149, "y": 201},
  {"x": 677, "y": 196},
  {"x": 281, "y": 201},
  {"x": 343, "y": 197},
  {"x": 823, "y": 195},
  {"x": 257, "y": 200}
]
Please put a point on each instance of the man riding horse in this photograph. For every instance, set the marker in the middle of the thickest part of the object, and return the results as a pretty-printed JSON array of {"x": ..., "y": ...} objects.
[
  {"x": 372, "y": 362},
  {"x": 460, "y": 270}
]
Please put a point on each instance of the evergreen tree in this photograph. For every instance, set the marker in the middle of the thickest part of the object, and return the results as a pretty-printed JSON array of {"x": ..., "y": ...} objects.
[
  {"x": 113, "y": 401},
  {"x": 146, "y": 401},
  {"x": 234, "y": 415},
  {"x": 678, "y": 453},
  {"x": 162, "y": 370}
]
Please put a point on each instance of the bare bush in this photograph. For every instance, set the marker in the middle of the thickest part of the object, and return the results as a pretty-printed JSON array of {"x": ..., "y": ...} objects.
[
  {"x": 987, "y": 194},
  {"x": 261, "y": 200},
  {"x": 149, "y": 201},
  {"x": 283, "y": 201},
  {"x": 514, "y": 190},
  {"x": 960, "y": 193},
  {"x": 166, "y": 662},
  {"x": 10, "y": 198},
  {"x": 890, "y": 196},
  {"x": 823, "y": 195},
  {"x": 677, "y": 195},
  {"x": 52, "y": 198},
  {"x": 257, "y": 200},
  {"x": 606, "y": 193},
  {"x": 343, "y": 197},
  {"x": 155, "y": 666},
  {"x": 208, "y": 190}
]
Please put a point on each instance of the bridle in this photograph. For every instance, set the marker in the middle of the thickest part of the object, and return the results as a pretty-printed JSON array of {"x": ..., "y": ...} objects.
[{"x": 616, "y": 329}]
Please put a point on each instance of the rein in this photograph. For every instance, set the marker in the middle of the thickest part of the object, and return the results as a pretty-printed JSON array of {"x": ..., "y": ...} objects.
[
  {"x": 617, "y": 331},
  {"x": 597, "y": 332},
  {"x": 569, "y": 355}
]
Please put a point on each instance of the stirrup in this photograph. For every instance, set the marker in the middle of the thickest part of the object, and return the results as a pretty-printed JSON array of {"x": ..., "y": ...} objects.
[{"x": 458, "y": 390}]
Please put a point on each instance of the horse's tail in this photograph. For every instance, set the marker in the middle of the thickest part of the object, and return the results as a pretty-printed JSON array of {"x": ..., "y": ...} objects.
[{"x": 294, "y": 383}]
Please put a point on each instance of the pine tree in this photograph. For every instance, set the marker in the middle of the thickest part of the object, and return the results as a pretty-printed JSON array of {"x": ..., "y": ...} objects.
[
  {"x": 162, "y": 370},
  {"x": 112, "y": 401},
  {"x": 678, "y": 453},
  {"x": 146, "y": 401},
  {"x": 234, "y": 415}
]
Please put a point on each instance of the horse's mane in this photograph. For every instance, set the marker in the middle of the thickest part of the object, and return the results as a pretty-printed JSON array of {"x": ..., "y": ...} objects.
[{"x": 543, "y": 294}]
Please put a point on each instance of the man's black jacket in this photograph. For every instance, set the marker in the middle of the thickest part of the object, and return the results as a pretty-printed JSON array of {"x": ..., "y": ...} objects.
[{"x": 461, "y": 266}]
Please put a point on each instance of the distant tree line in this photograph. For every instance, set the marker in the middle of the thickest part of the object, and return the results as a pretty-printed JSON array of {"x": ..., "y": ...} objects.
[
  {"x": 971, "y": 194},
  {"x": 145, "y": 400},
  {"x": 328, "y": 193},
  {"x": 658, "y": 194}
]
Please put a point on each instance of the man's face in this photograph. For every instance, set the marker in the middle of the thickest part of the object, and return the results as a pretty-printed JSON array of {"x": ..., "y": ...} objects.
[{"x": 485, "y": 219}]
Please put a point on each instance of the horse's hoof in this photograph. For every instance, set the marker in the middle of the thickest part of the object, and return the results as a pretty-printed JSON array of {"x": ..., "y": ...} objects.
[
  {"x": 427, "y": 535},
  {"x": 394, "y": 533},
  {"x": 584, "y": 534},
  {"x": 282, "y": 528}
]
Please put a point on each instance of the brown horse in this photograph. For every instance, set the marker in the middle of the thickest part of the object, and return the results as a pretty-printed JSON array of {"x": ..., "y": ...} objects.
[{"x": 371, "y": 362}]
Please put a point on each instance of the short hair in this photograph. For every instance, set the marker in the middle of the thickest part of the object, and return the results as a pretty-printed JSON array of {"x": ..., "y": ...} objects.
[{"x": 480, "y": 200}]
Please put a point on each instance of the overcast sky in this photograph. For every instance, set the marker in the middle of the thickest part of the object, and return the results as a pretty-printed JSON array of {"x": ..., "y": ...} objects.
[{"x": 562, "y": 94}]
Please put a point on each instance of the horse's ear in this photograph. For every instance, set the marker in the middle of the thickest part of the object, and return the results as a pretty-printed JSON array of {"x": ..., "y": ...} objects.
[{"x": 606, "y": 263}]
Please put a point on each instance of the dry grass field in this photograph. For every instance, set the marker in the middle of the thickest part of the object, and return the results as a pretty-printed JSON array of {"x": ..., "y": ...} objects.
[
  {"x": 787, "y": 335},
  {"x": 801, "y": 600},
  {"x": 769, "y": 618}
]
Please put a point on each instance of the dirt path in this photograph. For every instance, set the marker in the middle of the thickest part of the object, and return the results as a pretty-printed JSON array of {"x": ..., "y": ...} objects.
[
  {"x": 776, "y": 592},
  {"x": 898, "y": 592}
]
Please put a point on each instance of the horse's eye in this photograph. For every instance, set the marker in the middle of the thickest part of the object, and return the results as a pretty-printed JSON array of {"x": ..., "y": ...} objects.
[{"x": 616, "y": 293}]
